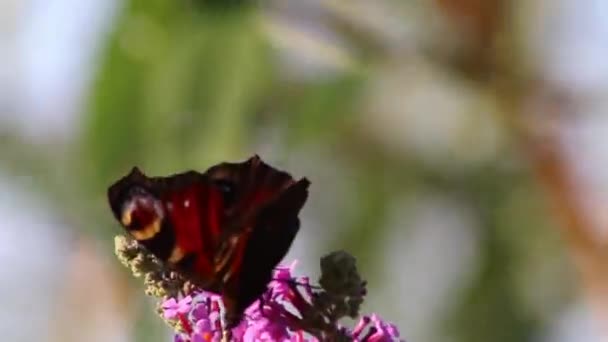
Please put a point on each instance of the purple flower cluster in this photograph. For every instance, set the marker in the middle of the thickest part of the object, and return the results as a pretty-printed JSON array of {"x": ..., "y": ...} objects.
[
  {"x": 373, "y": 329},
  {"x": 285, "y": 312}
]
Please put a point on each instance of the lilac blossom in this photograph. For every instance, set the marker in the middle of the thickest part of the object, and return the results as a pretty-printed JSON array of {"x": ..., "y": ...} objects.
[
  {"x": 291, "y": 310},
  {"x": 278, "y": 316},
  {"x": 172, "y": 308}
]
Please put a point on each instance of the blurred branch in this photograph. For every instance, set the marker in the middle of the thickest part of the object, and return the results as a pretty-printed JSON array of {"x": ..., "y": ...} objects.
[
  {"x": 373, "y": 27},
  {"x": 475, "y": 26},
  {"x": 305, "y": 44},
  {"x": 543, "y": 144},
  {"x": 478, "y": 20},
  {"x": 533, "y": 110}
]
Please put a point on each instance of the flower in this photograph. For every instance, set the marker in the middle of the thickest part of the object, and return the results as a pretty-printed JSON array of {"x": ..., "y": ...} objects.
[
  {"x": 285, "y": 313},
  {"x": 373, "y": 329},
  {"x": 172, "y": 308},
  {"x": 291, "y": 310}
]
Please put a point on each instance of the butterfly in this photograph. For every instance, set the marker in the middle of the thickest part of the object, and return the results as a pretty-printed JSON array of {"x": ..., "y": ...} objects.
[{"x": 225, "y": 230}]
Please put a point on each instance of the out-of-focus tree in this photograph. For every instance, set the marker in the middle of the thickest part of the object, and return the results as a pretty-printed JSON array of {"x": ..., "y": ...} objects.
[{"x": 382, "y": 104}]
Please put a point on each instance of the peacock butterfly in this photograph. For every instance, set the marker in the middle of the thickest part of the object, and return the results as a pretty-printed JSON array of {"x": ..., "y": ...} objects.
[{"x": 225, "y": 229}]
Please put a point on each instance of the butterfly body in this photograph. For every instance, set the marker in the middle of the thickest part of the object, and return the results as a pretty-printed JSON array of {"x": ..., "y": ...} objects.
[{"x": 225, "y": 230}]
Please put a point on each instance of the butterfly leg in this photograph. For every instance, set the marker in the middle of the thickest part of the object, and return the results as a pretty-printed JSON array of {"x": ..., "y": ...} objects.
[
  {"x": 261, "y": 304},
  {"x": 227, "y": 335}
]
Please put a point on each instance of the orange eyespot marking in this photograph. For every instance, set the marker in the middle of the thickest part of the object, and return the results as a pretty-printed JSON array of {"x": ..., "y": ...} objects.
[
  {"x": 126, "y": 217},
  {"x": 147, "y": 232},
  {"x": 142, "y": 217},
  {"x": 177, "y": 254}
]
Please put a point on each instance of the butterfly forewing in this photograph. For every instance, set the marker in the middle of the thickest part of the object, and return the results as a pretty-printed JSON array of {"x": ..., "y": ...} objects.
[
  {"x": 251, "y": 184},
  {"x": 195, "y": 214},
  {"x": 264, "y": 221},
  {"x": 190, "y": 225}
]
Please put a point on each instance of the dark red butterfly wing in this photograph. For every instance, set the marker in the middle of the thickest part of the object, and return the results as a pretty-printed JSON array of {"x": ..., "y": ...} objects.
[
  {"x": 272, "y": 234},
  {"x": 226, "y": 229},
  {"x": 248, "y": 185},
  {"x": 182, "y": 217},
  {"x": 262, "y": 207}
]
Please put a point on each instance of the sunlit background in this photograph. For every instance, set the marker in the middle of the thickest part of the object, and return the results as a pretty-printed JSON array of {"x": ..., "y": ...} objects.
[{"x": 458, "y": 148}]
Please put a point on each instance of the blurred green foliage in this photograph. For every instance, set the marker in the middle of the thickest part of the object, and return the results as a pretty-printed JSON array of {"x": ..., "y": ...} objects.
[{"x": 184, "y": 84}]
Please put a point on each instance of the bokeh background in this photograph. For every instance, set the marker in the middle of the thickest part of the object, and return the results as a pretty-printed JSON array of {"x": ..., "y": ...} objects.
[{"x": 456, "y": 147}]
